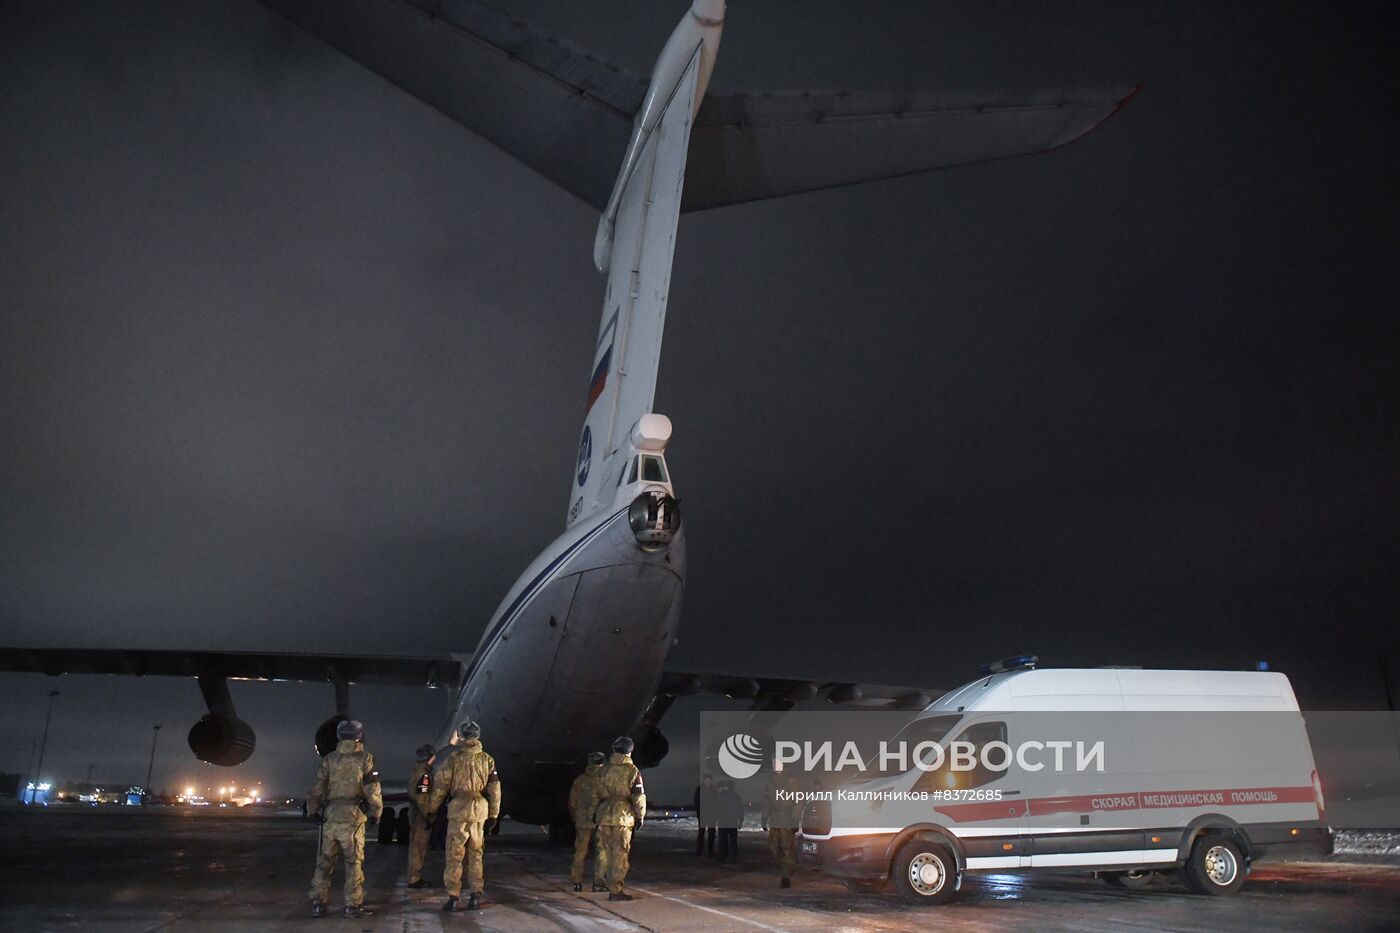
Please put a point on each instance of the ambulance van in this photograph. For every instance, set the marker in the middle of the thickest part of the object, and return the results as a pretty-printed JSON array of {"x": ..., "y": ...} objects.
[{"x": 1197, "y": 773}]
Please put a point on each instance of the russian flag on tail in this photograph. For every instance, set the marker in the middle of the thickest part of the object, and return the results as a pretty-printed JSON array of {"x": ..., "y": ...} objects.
[{"x": 599, "y": 382}]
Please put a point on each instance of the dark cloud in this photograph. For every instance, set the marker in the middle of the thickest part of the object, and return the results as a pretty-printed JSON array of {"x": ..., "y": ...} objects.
[{"x": 290, "y": 362}]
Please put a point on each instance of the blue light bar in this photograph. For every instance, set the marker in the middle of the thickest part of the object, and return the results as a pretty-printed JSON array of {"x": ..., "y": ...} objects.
[{"x": 1019, "y": 662}]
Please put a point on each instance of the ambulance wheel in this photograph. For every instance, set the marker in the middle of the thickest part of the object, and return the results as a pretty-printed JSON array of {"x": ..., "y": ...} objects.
[
  {"x": 1134, "y": 880},
  {"x": 1215, "y": 866},
  {"x": 865, "y": 885},
  {"x": 925, "y": 873},
  {"x": 387, "y": 821}
]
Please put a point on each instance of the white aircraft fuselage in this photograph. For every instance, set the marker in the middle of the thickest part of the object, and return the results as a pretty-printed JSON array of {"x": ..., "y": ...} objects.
[{"x": 573, "y": 655}]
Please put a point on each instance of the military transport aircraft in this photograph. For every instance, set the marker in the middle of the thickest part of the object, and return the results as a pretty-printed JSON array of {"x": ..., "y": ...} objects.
[{"x": 577, "y": 651}]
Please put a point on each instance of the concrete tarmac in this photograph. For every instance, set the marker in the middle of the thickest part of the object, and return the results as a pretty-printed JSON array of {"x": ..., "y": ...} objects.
[{"x": 123, "y": 869}]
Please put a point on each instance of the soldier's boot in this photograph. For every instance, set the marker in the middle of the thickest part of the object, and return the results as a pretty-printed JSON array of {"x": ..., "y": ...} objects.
[
  {"x": 619, "y": 896},
  {"x": 451, "y": 907},
  {"x": 578, "y": 886},
  {"x": 599, "y": 888},
  {"x": 420, "y": 883},
  {"x": 358, "y": 910},
  {"x": 474, "y": 902},
  {"x": 785, "y": 883},
  {"x": 318, "y": 909}
]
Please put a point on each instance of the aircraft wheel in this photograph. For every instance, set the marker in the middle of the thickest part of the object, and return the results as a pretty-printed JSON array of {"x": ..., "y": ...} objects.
[
  {"x": 561, "y": 832},
  {"x": 387, "y": 821},
  {"x": 402, "y": 830},
  {"x": 437, "y": 841}
]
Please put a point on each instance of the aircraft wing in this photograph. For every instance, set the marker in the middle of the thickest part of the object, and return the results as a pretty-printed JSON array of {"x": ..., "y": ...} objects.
[
  {"x": 568, "y": 115},
  {"x": 781, "y": 693},
  {"x": 444, "y": 672}
]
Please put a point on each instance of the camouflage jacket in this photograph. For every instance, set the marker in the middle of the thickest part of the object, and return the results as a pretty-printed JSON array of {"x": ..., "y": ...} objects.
[
  {"x": 418, "y": 793},
  {"x": 581, "y": 795},
  {"x": 780, "y": 813},
  {"x": 345, "y": 780},
  {"x": 619, "y": 798},
  {"x": 469, "y": 778}
]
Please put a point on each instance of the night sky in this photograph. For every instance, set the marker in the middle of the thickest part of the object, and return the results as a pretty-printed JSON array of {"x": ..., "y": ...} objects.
[{"x": 290, "y": 361}]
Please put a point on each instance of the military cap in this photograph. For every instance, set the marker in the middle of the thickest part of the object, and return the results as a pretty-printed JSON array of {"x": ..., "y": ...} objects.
[{"x": 349, "y": 729}]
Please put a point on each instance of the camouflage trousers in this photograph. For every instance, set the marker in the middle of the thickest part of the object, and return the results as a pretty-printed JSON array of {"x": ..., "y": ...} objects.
[
  {"x": 583, "y": 838},
  {"x": 783, "y": 844},
  {"x": 465, "y": 838},
  {"x": 337, "y": 839},
  {"x": 614, "y": 848},
  {"x": 420, "y": 829}
]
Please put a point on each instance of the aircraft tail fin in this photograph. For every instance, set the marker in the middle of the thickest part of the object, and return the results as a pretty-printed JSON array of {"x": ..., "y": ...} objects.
[{"x": 622, "y": 383}]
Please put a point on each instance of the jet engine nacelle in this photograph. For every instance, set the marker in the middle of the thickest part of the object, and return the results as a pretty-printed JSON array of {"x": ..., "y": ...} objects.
[
  {"x": 222, "y": 740},
  {"x": 325, "y": 734},
  {"x": 655, "y": 517}
]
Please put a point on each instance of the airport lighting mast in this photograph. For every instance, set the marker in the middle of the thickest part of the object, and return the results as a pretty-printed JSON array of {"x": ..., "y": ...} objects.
[
  {"x": 146, "y": 788},
  {"x": 43, "y": 744}
]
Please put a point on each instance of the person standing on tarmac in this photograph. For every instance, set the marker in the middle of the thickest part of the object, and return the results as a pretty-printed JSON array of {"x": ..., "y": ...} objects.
[
  {"x": 781, "y": 810},
  {"x": 420, "y": 823},
  {"x": 581, "y": 809},
  {"x": 729, "y": 813},
  {"x": 345, "y": 793},
  {"x": 469, "y": 779},
  {"x": 619, "y": 807},
  {"x": 705, "y": 815}
]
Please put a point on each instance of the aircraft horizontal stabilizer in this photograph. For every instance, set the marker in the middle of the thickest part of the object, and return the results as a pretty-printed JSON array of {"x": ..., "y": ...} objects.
[
  {"x": 754, "y": 146},
  {"x": 568, "y": 115},
  {"x": 439, "y": 672}
]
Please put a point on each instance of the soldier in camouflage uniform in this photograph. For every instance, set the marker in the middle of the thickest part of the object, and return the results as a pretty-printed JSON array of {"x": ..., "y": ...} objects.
[
  {"x": 346, "y": 790},
  {"x": 780, "y": 815},
  {"x": 469, "y": 779},
  {"x": 619, "y": 807},
  {"x": 581, "y": 809},
  {"x": 420, "y": 823}
]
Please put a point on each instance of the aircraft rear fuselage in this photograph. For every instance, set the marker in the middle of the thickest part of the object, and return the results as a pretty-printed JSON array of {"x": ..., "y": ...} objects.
[{"x": 572, "y": 658}]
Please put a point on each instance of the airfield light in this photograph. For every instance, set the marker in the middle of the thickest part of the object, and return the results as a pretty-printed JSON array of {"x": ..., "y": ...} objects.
[{"x": 189, "y": 791}]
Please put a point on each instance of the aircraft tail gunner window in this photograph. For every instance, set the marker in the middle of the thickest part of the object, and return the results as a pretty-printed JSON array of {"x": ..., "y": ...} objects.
[
  {"x": 633, "y": 477},
  {"x": 653, "y": 470}
]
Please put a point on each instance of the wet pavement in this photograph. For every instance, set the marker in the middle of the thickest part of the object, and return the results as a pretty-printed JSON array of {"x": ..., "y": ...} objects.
[{"x": 120, "y": 869}]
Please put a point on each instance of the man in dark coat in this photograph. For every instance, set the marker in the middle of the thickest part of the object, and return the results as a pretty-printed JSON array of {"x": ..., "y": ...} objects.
[{"x": 705, "y": 815}]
